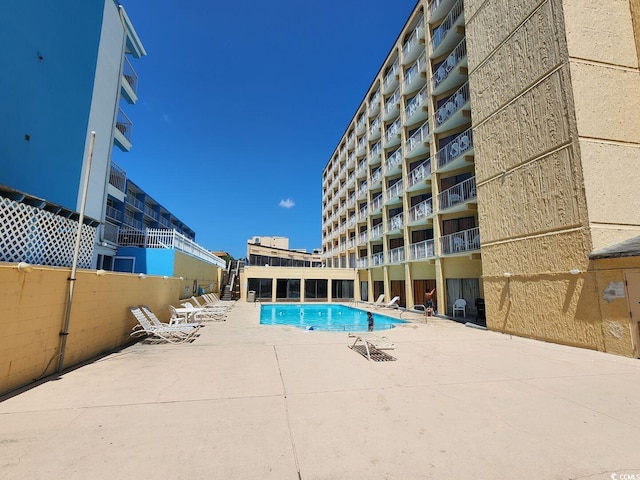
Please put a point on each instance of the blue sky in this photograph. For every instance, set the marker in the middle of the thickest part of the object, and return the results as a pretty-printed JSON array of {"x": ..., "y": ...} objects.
[{"x": 241, "y": 104}]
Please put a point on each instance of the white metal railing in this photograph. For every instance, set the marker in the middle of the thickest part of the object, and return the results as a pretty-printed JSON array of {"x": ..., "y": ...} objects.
[
  {"x": 375, "y": 126},
  {"x": 452, "y": 104},
  {"x": 459, "y": 193},
  {"x": 393, "y": 129},
  {"x": 123, "y": 124},
  {"x": 422, "y": 250},
  {"x": 362, "y": 213},
  {"x": 376, "y": 232},
  {"x": 114, "y": 213},
  {"x": 416, "y": 102},
  {"x": 351, "y": 178},
  {"x": 351, "y": 140},
  {"x": 377, "y": 259},
  {"x": 164, "y": 222},
  {"x": 375, "y": 100},
  {"x": 110, "y": 232},
  {"x": 463, "y": 241},
  {"x": 363, "y": 237},
  {"x": 419, "y": 173},
  {"x": 415, "y": 69},
  {"x": 375, "y": 176},
  {"x": 350, "y": 161},
  {"x": 419, "y": 136},
  {"x": 362, "y": 166},
  {"x": 376, "y": 150},
  {"x": 392, "y": 101},
  {"x": 421, "y": 211},
  {"x": 376, "y": 204},
  {"x": 363, "y": 189},
  {"x": 343, "y": 247},
  {"x": 361, "y": 122},
  {"x": 362, "y": 262},
  {"x": 129, "y": 221},
  {"x": 167, "y": 239},
  {"x": 442, "y": 30},
  {"x": 118, "y": 177},
  {"x": 390, "y": 76},
  {"x": 131, "y": 200},
  {"x": 455, "y": 148},
  {"x": 395, "y": 223},
  {"x": 362, "y": 143},
  {"x": 448, "y": 65},
  {"x": 414, "y": 38},
  {"x": 394, "y": 190},
  {"x": 151, "y": 212},
  {"x": 351, "y": 221},
  {"x": 396, "y": 255},
  {"x": 351, "y": 242},
  {"x": 394, "y": 159}
]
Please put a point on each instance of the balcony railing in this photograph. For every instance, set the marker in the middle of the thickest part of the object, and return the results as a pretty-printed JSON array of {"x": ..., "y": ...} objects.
[
  {"x": 151, "y": 212},
  {"x": 376, "y": 204},
  {"x": 361, "y": 123},
  {"x": 363, "y": 189},
  {"x": 414, "y": 38},
  {"x": 396, "y": 255},
  {"x": 463, "y": 241},
  {"x": 124, "y": 125},
  {"x": 419, "y": 173},
  {"x": 114, "y": 214},
  {"x": 362, "y": 262},
  {"x": 420, "y": 136},
  {"x": 377, "y": 259},
  {"x": 416, "y": 102},
  {"x": 394, "y": 159},
  {"x": 391, "y": 76},
  {"x": 374, "y": 104},
  {"x": 442, "y": 30},
  {"x": 167, "y": 239},
  {"x": 459, "y": 193},
  {"x": 421, "y": 211},
  {"x": 351, "y": 221},
  {"x": 350, "y": 161},
  {"x": 118, "y": 177},
  {"x": 395, "y": 223},
  {"x": 449, "y": 64},
  {"x": 392, "y": 102},
  {"x": 351, "y": 140},
  {"x": 110, "y": 232},
  {"x": 376, "y": 150},
  {"x": 455, "y": 148},
  {"x": 362, "y": 143},
  {"x": 164, "y": 222},
  {"x": 362, "y": 166},
  {"x": 376, "y": 232},
  {"x": 375, "y": 176},
  {"x": 394, "y": 191},
  {"x": 363, "y": 237},
  {"x": 374, "y": 127},
  {"x": 415, "y": 70},
  {"x": 392, "y": 130},
  {"x": 362, "y": 213},
  {"x": 421, "y": 250},
  {"x": 131, "y": 200},
  {"x": 452, "y": 104},
  {"x": 130, "y": 74},
  {"x": 129, "y": 221},
  {"x": 351, "y": 178}
]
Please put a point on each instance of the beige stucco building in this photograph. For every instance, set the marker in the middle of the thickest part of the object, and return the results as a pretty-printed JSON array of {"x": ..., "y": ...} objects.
[{"x": 495, "y": 150}]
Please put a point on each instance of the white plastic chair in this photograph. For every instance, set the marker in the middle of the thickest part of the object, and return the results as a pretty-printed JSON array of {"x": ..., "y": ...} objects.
[{"x": 460, "y": 305}]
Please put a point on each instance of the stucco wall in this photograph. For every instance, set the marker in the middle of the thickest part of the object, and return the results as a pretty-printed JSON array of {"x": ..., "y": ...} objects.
[
  {"x": 191, "y": 269},
  {"x": 33, "y": 311}
]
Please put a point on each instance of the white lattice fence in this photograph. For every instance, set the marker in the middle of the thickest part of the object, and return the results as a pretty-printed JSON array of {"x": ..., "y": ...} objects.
[{"x": 29, "y": 234}]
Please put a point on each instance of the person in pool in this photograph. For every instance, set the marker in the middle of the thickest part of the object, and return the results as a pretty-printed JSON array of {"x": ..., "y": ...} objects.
[{"x": 370, "y": 321}]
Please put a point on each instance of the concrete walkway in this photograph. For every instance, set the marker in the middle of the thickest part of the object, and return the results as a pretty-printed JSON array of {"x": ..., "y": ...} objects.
[{"x": 246, "y": 401}]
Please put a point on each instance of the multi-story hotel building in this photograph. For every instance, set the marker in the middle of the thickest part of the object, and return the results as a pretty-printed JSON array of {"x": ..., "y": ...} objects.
[{"x": 495, "y": 149}]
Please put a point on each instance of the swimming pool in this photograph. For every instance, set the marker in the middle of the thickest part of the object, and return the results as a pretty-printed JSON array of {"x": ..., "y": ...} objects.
[{"x": 326, "y": 317}]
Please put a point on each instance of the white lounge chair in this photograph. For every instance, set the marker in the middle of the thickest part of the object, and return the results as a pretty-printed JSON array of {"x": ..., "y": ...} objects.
[
  {"x": 215, "y": 307},
  {"x": 168, "y": 333},
  {"x": 155, "y": 321},
  {"x": 393, "y": 303},
  {"x": 201, "y": 314},
  {"x": 371, "y": 342}
]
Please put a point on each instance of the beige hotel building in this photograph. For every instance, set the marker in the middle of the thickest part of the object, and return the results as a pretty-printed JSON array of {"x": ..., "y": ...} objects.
[{"x": 496, "y": 150}]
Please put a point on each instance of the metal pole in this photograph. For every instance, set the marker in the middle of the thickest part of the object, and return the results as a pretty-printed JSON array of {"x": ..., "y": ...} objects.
[{"x": 76, "y": 253}]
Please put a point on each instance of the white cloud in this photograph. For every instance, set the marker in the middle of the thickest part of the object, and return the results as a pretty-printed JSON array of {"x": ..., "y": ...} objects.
[{"x": 288, "y": 203}]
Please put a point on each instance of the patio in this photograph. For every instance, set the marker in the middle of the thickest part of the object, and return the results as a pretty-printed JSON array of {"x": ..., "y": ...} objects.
[{"x": 246, "y": 401}]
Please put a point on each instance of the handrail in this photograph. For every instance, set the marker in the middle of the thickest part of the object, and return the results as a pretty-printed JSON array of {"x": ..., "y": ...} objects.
[
  {"x": 459, "y": 193},
  {"x": 452, "y": 104},
  {"x": 442, "y": 30},
  {"x": 419, "y": 173},
  {"x": 455, "y": 148},
  {"x": 449, "y": 63}
]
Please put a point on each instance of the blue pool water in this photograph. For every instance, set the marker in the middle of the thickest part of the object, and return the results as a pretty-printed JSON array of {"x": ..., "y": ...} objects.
[{"x": 323, "y": 317}]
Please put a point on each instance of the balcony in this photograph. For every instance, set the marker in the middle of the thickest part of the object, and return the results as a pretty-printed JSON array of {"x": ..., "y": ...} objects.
[
  {"x": 351, "y": 161},
  {"x": 414, "y": 77},
  {"x": 122, "y": 132},
  {"x": 351, "y": 179},
  {"x": 363, "y": 237},
  {"x": 129, "y": 82},
  {"x": 421, "y": 250},
  {"x": 133, "y": 201},
  {"x": 361, "y": 149},
  {"x": 458, "y": 195},
  {"x": 129, "y": 221},
  {"x": 376, "y": 205},
  {"x": 449, "y": 32},
  {"x": 351, "y": 140},
  {"x": 118, "y": 180},
  {"x": 362, "y": 169},
  {"x": 457, "y": 153},
  {"x": 363, "y": 213},
  {"x": 375, "y": 179},
  {"x": 393, "y": 194},
  {"x": 376, "y": 232},
  {"x": 392, "y": 134},
  {"x": 362, "y": 262},
  {"x": 454, "y": 111},
  {"x": 393, "y": 165},
  {"x": 438, "y": 9},
  {"x": 351, "y": 221},
  {"x": 460, "y": 242},
  {"x": 417, "y": 109},
  {"x": 392, "y": 105},
  {"x": 110, "y": 232},
  {"x": 419, "y": 177},
  {"x": 374, "y": 104},
  {"x": 412, "y": 47},
  {"x": 375, "y": 155},
  {"x": 418, "y": 143},
  {"x": 395, "y": 224},
  {"x": 421, "y": 212},
  {"x": 361, "y": 124},
  {"x": 151, "y": 213},
  {"x": 451, "y": 72},
  {"x": 375, "y": 129},
  {"x": 396, "y": 255},
  {"x": 362, "y": 190},
  {"x": 113, "y": 214},
  {"x": 377, "y": 259},
  {"x": 391, "y": 78},
  {"x": 351, "y": 201}
]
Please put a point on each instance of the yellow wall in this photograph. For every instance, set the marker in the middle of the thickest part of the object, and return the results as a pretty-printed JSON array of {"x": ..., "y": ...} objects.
[
  {"x": 191, "y": 269},
  {"x": 33, "y": 310}
]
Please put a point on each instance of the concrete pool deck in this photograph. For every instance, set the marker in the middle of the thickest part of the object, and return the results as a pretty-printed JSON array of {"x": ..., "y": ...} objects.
[{"x": 246, "y": 401}]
